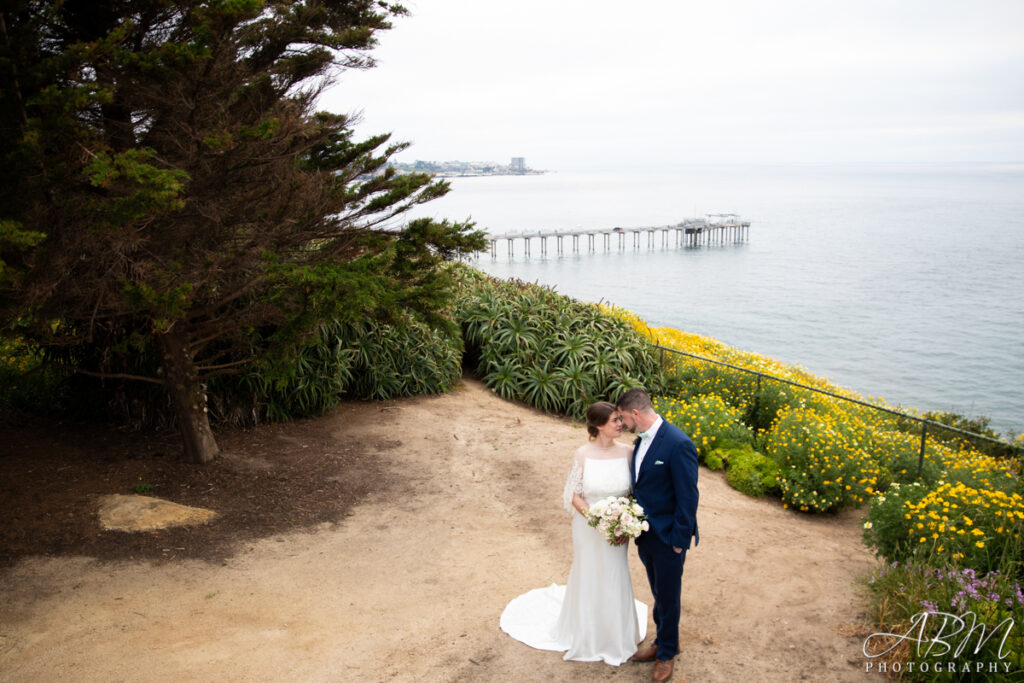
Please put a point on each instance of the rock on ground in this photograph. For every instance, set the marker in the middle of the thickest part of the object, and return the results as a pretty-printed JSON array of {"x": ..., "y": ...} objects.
[{"x": 144, "y": 513}]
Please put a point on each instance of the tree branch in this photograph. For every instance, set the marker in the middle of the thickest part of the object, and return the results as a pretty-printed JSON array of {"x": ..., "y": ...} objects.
[
  {"x": 117, "y": 375},
  {"x": 203, "y": 368},
  {"x": 221, "y": 302},
  {"x": 15, "y": 84}
]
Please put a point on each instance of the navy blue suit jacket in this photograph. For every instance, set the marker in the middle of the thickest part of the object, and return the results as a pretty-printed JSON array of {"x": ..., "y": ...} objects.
[{"x": 666, "y": 487}]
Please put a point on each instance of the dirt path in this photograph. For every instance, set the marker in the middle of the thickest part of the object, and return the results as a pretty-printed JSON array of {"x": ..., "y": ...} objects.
[{"x": 410, "y": 584}]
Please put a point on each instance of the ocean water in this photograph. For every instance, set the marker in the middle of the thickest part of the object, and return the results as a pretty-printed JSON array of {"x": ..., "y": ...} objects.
[{"x": 904, "y": 282}]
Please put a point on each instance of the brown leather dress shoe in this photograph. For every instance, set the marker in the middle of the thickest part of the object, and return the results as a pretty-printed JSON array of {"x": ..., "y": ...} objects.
[
  {"x": 645, "y": 654},
  {"x": 662, "y": 670}
]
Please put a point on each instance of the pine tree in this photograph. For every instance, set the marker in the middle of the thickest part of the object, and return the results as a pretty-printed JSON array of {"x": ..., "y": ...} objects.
[{"x": 167, "y": 186}]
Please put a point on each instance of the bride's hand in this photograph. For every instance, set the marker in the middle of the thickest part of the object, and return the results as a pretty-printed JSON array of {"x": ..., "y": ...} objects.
[
  {"x": 580, "y": 503},
  {"x": 620, "y": 540}
]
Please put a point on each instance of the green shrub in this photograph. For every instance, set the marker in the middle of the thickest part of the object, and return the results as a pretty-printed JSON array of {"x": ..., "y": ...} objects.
[
  {"x": 765, "y": 404},
  {"x": 824, "y": 464},
  {"x": 27, "y": 382},
  {"x": 708, "y": 421},
  {"x": 911, "y": 598},
  {"x": 962, "y": 464},
  {"x": 888, "y": 525},
  {"x": 367, "y": 360},
  {"x": 758, "y": 400},
  {"x": 714, "y": 460},
  {"x": 977, "y": 425},
  {"x": 530, "y": 344},
  {"x": 751, "y": 472},
  {"x": 952, "y": 524},
  {"x": 898, "y": 454}
]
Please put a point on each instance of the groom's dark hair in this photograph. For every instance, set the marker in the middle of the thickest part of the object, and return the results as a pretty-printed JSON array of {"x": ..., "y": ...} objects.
[{"x": 634, "y": 399}]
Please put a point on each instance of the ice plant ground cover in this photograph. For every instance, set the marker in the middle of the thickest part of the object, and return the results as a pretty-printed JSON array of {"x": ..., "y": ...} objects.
[{"x": 951, "y": 537}]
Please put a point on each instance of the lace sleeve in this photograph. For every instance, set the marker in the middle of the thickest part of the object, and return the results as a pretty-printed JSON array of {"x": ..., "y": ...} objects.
[{"x": 573, "y": 484}]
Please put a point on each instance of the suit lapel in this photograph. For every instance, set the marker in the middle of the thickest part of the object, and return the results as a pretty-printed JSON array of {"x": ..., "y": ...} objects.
[
  {"x": 632, "y": 461},
  {"x": 649, "y": 455}
]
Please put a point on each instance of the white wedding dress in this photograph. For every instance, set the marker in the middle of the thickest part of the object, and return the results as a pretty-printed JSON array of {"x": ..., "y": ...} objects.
[{"x": 594, "y": 617}]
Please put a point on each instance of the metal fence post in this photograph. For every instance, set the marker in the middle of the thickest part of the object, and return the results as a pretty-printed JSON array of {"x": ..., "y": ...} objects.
[
  {"x": 920, "y": 458},
  {"x": 755, "y": 414}
]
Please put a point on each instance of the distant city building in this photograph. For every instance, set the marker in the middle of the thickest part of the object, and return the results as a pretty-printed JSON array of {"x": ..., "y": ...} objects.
[{"x": 452, "y": 169}]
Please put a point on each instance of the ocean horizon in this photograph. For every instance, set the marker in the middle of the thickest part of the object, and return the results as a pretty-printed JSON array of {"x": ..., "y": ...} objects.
[{"x": 896, "y": 281}]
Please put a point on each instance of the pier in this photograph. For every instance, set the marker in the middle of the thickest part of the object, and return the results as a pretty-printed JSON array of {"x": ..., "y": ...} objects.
[{"x": 720, "y": 228}]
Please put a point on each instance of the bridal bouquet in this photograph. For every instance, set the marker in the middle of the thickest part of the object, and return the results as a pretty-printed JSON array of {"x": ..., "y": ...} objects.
[{"x": 617, "y": 518}]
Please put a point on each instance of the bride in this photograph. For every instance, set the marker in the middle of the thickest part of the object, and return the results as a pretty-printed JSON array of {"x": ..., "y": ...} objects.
[{"x": 594, "y": 617}]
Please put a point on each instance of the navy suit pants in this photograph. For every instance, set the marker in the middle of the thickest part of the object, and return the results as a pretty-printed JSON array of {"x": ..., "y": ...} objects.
[{"x": 665, "y": 573}]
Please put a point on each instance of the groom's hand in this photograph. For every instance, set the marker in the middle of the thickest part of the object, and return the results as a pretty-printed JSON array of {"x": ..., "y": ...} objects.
[{"x": 678, "y": 550}]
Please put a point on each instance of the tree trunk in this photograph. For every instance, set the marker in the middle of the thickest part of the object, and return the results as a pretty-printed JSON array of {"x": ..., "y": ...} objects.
[{"x": 188, "y": 398}]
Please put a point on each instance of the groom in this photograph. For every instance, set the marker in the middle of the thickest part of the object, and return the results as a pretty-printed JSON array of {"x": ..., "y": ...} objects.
[{"x": 664, "y": 473}]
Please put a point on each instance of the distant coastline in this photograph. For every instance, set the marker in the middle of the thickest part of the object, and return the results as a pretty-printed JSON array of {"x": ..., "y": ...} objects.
[{"x": 467, "y": 169}]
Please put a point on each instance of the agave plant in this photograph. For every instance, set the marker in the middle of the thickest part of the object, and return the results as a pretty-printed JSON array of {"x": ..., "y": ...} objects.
[
  {"x": 603, "y": 367},
  {"x": 531, "y": 344},
  {"x": 282, "y": 389},
  {"x": 516, "y": 333},
  {"x": 623, "y": 383},
  {"x": 578, "y": 389},
  {"x": 506, "y": 379},
  {"x": 572, "y": 348},
  {"x": 541, "y": 388}
]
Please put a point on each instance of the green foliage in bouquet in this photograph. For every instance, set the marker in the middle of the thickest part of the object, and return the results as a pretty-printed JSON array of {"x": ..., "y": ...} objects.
[
  {"x": 708, "y": 420},
  {"x": 530, "y": 344}
]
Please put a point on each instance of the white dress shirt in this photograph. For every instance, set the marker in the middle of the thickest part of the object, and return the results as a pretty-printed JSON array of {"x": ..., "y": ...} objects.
[{"x": 645, "y": 443}]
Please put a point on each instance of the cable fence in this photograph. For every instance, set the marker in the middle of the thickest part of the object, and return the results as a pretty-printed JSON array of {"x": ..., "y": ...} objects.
[{"x": 759, "y": 414}]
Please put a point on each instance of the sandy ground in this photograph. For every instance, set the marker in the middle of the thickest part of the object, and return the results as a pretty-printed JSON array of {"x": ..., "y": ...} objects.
[{"x": 410, "y": 585}]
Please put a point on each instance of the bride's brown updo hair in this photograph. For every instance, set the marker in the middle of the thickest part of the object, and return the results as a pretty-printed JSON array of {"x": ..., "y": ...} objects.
[{"x": 597, "y": 416}]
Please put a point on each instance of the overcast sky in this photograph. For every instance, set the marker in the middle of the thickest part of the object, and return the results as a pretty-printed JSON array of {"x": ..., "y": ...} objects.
[{"x": 595, "y": 83}]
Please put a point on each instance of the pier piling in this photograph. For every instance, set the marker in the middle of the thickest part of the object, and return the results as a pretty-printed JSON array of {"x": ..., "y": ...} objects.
[{"x": 694, "y": 232}]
